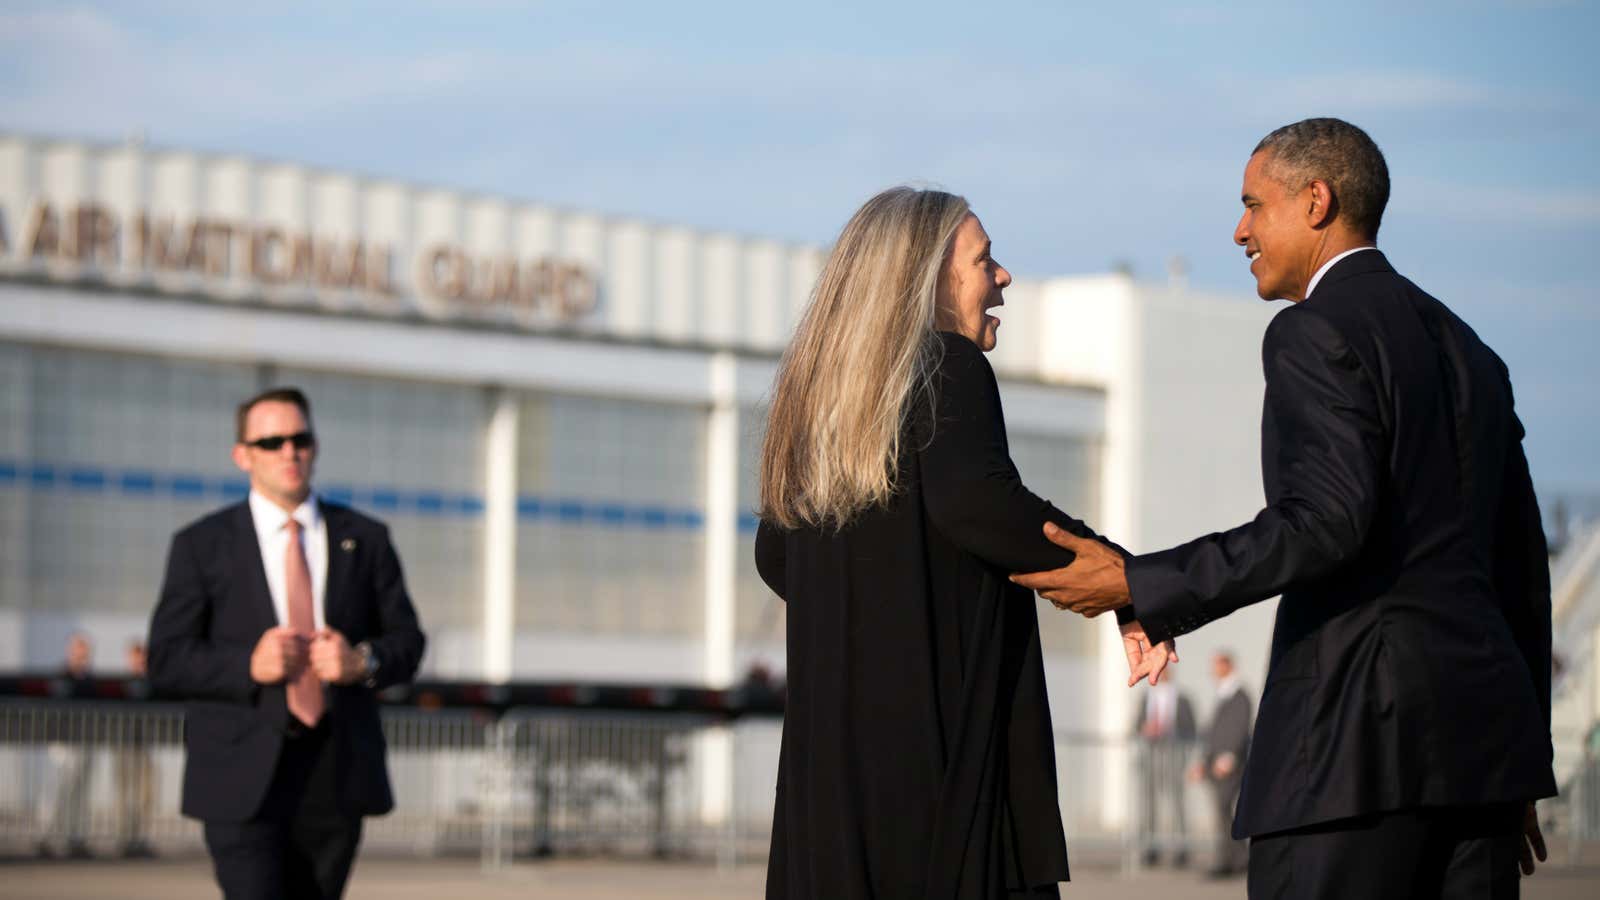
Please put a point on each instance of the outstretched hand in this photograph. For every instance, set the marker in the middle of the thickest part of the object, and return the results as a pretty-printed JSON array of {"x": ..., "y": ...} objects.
[
  {"x": 1532, "y": 843},
  {"x": 1144, "y": 660},
  {"x": 1093, "y": 583}
]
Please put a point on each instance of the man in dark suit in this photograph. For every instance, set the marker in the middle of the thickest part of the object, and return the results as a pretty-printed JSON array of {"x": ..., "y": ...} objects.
[
  {"x": 1222, "y": 755},
  {"x": 279, "y": 619},
  {"x": 1164, "y": 729},
  {"x": 1404, "y": 729}
]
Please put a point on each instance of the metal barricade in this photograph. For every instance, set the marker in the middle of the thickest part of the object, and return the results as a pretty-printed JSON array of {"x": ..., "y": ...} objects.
[
  {"x": 756, "y": 744},
  {"x": 441, "y": 767},
  {"x": 106, "y": 778},
  {"x": 85, "y": 778},
  {"x": 1579, "y": 800},
  {"x": 1124, "y": 802},
  {"x": 82, "y": 777},
  {"x": 594, "y": 783}
]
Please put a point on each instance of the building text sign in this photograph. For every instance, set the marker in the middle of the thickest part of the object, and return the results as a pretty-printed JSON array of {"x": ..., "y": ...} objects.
[{"x": 445, "y": 281}]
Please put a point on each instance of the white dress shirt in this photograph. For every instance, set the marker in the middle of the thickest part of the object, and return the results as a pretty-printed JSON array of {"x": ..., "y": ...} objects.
[
  {"x": 1163, "y": 706},
  {"x": 1329, "y": 264},
  {"x": 272, "y": 533}
]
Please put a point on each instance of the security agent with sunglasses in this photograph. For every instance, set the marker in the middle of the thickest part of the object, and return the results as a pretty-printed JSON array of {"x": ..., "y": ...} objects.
[{"x": 279, "y": 618}]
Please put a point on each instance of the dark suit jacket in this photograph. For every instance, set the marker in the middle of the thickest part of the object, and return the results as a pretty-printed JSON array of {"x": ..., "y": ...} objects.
[
  {"x": 1410, "y": 662},
  {"x": 1229, "y": 733},
  {"x": 214, "y": 607},
  {"x": 1183, "y": 719}
]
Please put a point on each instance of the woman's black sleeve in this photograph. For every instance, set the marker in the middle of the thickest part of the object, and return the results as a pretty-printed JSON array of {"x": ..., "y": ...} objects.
[{"x": 973, "y": 492}]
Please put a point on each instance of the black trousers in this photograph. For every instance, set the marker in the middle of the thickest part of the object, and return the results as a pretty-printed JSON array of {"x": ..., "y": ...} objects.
[
  {"x": 299, "y": 846},
  {"x": 1450, "y": 853},
  {"x": 1228, "y": 855}
]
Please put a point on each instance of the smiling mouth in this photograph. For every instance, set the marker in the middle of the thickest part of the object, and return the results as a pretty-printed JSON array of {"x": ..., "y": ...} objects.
[{"x": 1255, "y": 255}]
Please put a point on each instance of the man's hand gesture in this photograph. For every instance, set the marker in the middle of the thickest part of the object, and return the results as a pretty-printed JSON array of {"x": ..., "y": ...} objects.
[
  {"x": 333, "y": 659},
  {"x": 279, "y": 656},
  {"x": 1092, "y": 584},
  {"x": 1145, "y": 661}
]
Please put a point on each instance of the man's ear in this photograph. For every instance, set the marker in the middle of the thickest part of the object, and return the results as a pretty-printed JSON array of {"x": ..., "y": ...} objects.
[
  {"x": 1321, "y": 210},
  {"x": 241, "y": 457}
]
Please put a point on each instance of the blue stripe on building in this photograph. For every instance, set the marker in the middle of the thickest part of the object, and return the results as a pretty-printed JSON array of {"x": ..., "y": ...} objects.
[
  {"x": 137, "y": 483},
  {"x": 147, "y": 484},
  {"x": 80, "y": 479}
]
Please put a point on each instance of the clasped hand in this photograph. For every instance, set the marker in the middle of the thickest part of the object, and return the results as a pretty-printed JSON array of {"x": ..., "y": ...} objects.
[
  {"x": 1095, "y": 582},
  {"x": 283, "y": 654}
]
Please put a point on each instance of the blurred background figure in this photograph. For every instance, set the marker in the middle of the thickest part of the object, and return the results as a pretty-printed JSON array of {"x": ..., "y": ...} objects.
[
  {"x": 135, "y": 770},
  {"x": 64, "y": 800},
  {"x": 1221, "y": 763},
  {"x": 1163, "y": 731}
]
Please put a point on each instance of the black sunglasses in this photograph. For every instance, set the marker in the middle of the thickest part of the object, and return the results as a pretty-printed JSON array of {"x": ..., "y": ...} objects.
[{"x": 301, "y": 440}]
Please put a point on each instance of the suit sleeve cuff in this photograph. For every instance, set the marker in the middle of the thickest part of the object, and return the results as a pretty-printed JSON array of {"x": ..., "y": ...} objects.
[{"x": 1158, "y": 596}]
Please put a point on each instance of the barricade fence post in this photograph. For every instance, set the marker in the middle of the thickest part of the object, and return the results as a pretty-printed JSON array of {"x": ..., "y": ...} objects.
[{"x": 529, "y": 782}]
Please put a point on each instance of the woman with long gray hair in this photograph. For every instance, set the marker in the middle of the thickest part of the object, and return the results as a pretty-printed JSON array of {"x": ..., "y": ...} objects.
[{"x": 917, "y": 757}]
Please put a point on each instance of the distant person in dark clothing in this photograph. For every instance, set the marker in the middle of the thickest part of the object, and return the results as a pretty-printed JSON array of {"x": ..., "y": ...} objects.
[
  {"x": 135, "y": 769},
  {"x": 1221, "y": 763},
  {"x": 918, "y": 757},
  {"x": 1164, "y": 729}
]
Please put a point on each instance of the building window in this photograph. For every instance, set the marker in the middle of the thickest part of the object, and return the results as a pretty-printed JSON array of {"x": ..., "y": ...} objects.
[
  {"x": 610, "y": 516},
  {"x": 102, "y": 457},
  {"x": 410, "y": 453}
]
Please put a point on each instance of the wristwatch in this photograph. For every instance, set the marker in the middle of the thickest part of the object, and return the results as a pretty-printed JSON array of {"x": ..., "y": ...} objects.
[{"x": 369, "y": 664}]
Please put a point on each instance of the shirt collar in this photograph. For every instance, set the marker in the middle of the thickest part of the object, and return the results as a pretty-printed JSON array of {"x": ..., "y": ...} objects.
[
  {"x": 270, "y": 518},
  {"x": 1328, "y": 265},
  {"x": 1227, "y": 687}
]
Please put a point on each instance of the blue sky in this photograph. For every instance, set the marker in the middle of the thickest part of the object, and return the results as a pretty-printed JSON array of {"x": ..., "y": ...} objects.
[{"x": 1083, "y": 137}]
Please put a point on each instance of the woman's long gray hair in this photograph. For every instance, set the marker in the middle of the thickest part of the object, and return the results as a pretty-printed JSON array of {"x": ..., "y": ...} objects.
[{"x": 864, "y": 351}]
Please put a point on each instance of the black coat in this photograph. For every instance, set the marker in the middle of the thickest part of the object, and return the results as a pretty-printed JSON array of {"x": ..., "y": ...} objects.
[
  {"x": 214, "y": 607},
  {"x": 1229, "y": 732},
  {"x": 918, "y": 757},
  {"x": 1410, "y": 662}
]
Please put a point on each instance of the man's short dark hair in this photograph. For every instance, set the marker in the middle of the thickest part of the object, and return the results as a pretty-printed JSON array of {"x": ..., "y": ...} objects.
[
  {"x": 274, "y": 395},
  {"x": 1339, "y": 154}
]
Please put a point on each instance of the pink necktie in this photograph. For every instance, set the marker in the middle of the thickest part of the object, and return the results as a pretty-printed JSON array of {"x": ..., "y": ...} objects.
[{"x": 305, "y": 692}]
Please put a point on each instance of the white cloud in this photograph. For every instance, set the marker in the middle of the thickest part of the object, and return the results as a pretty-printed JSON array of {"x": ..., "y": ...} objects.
[{"x": 80, "y": 28}]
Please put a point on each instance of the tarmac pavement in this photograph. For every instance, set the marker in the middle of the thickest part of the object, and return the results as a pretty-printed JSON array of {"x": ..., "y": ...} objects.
[{"x": 595, "y": 879}]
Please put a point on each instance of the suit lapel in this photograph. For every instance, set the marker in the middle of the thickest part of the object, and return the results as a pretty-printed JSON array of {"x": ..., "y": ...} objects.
[
  {"x": 341, "y": 558},
  {"x": 247, "y": 562}
]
